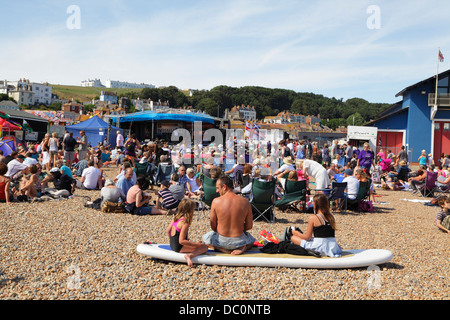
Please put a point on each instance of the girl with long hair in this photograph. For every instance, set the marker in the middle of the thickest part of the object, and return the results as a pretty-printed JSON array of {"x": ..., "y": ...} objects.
[
  {"x": 320, "y": 232},
  {"x": 178, "y": 232}
]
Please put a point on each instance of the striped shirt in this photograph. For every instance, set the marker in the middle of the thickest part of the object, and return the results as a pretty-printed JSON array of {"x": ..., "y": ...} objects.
[{"x": 168, "y": 200}]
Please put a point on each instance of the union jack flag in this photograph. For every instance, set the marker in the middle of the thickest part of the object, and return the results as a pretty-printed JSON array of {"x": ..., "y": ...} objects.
[{"x": 441, "y": 56}]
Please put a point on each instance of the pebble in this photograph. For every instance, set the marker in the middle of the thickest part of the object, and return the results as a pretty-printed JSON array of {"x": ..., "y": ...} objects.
[{"x": 61, "y": 250}]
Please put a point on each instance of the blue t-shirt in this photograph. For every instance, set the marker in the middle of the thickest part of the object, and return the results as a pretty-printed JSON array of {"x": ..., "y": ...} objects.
[
  {"x": 423, "y": 161},
  {"x": 66, "y": 170}
]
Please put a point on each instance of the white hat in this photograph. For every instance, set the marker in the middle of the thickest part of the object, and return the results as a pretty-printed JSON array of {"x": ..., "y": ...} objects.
[{"x": 55, "y": 169}]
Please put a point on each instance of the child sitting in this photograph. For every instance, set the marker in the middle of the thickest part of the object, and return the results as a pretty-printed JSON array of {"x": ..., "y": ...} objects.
[
  {"x": 178, "y": 232},
  {"x": 165, "y": 198},
  {"x": 443, "y": 216}
]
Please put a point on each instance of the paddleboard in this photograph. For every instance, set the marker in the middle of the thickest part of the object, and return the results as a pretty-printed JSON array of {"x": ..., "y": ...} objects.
[{"x": 255, "y": 258}]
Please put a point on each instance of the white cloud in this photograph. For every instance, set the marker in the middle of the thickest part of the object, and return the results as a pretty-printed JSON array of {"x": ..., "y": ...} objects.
[{"x": 322, "y": 46}]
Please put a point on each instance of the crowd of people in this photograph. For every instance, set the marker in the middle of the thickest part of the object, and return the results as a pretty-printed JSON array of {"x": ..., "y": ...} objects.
[{"x": 72, "y": 163}]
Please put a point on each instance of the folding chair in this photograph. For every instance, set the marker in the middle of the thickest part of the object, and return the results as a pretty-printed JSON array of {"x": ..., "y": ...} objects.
[
  {"x": 142, "y": 169},
  {"x": 164, "y": 172},
  {"x": 337, "y": 192},
  {"x": 428, "y": 189},
  {"x": 363, "y": 194},
  {"x": 208, "y": 195},
  {"x": 263, "y": 200},
  {"x": 295, "y": 192}
]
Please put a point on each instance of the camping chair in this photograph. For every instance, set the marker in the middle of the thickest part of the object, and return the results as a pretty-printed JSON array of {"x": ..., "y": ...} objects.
[
  {"x": 337, "y": 192},
  {"x": 164, "y": 172},
  {"x": 295, "y": 193},
  {"x": 429, "y": 187},
  {"x": 263, "y": 200},
  {"x": 208, "y": 195},
  {"x": 362, "y": 195},
  {"x": 142, "y": 169}
]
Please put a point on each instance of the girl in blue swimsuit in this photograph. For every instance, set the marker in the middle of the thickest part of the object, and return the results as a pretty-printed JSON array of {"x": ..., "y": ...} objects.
[{"x": 178, "y": 232}]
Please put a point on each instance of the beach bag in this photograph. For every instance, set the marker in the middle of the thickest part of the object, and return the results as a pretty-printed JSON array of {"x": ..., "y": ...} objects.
[
  {"x": 130, "y": 207},
  {"x": 365, "y": 206},
  {"x": 112, "y": 207}
]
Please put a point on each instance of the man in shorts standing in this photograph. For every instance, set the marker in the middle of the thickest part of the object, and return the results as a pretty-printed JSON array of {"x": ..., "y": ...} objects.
[
  {"x": 231, "y": 216},
  {"x": 69, "y": 149},
  {"x": 84, "y": 145}
]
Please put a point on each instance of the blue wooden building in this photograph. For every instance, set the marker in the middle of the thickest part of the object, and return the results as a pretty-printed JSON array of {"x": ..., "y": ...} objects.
[{"x": 418, "y": 121}]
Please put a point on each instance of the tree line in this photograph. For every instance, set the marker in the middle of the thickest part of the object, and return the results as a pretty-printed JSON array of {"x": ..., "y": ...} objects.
[{"x": 269, "y": 102}]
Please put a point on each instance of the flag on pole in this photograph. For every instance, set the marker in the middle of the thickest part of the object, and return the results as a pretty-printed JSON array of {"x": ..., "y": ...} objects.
[
  {"x": 441, "y": 56},
  {"x": 247, "y": 129},
  {"x": 4, "y": 115},
  {"x": 26, "y": 126}
]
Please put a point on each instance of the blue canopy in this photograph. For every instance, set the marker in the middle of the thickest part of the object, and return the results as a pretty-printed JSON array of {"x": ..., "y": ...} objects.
[
  {"x": 151, "y": 115},
  {"x": 96, "y": 130}
]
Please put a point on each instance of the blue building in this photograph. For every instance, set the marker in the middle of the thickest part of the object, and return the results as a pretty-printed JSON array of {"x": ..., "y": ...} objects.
[
  {"x": 110, "y": 97},
  {"x": 416, "y": 121}
]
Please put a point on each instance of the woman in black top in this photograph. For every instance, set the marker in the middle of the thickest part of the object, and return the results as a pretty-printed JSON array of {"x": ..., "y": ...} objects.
[{"x": 320, "y": 233}]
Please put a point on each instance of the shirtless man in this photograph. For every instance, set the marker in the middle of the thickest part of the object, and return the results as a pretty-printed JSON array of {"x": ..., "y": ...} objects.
[{"x": 231, "y": 216}]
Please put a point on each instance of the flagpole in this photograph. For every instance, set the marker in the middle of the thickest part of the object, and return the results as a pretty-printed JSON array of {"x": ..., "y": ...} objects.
[{"x": 437, "y": 75}]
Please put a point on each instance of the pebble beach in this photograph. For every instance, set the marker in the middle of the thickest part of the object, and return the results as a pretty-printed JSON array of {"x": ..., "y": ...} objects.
[{"x": 60, "y": 250}]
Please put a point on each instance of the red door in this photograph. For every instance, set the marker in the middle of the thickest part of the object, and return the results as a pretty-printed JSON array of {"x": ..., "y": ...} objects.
[
  {"x": 389, "y": 140},
  {"x": 441, "y": 139}
]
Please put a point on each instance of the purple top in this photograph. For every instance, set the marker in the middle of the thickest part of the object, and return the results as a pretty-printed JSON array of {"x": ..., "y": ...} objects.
[{"x": 365, "y": 158}]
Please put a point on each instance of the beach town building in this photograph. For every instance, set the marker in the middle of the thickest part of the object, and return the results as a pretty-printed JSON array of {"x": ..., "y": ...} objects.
[
  {"x": 107, "y": 96},
  {"x": 26, "y": 92},
  {"x": 419, "y": 121},
  {"x": 242, "y": 112},
  {"x": 126, "y": 85},
  {"x": 92, "y": 83}
]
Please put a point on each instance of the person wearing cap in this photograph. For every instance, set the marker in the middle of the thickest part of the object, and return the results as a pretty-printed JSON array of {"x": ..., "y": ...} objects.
[
  {"x": 403, "y": 171},
  {"x": 64, "y": 184},
  {"x": 165, "y": 198},
  {"x": 352, "y": 184}
]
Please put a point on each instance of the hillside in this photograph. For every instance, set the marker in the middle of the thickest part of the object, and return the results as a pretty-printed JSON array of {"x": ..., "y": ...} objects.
[{"x": 85, "y": 94}]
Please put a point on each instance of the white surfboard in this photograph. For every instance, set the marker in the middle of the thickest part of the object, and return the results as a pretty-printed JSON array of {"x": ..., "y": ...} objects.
[{"x": 255, "y": 258}]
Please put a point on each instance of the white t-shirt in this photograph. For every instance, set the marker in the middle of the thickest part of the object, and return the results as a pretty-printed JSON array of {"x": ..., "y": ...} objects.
[
  {"x": 352, "y": 186},
  {"x": 91, "y": 175},
  {"x": 15, "y": 166},
  {"x": 119, "y": 140}
]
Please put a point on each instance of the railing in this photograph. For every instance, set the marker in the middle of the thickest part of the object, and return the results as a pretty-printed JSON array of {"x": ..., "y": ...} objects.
[{"x": 443, "y": 99}]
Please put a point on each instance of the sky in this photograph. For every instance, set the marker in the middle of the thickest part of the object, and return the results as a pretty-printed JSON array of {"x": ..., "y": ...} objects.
[{"x": 341, "y": 48}]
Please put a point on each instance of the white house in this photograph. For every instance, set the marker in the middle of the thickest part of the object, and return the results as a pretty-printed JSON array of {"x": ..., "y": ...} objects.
[{"x": 92, "y": 83}]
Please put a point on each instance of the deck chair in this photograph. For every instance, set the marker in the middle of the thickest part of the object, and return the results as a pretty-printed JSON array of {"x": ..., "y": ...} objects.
[
  {"x": 164, "y": 172},
  {"x": 295, "y": 193},
  {"x": 429, "y": 187},
  {"x": 337, "y": 192},
  {"x": 363, "y": 194},
  {"x": 263, "y": 200},
  {"x": 208, "y": 195}
]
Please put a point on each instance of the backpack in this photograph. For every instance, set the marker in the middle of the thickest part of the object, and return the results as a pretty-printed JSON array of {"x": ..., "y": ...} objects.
[{"x": 365, "y": 206}]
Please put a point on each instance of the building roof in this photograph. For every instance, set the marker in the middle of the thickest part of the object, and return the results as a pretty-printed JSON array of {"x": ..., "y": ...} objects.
[
  {"x": 22, "y": 114},
  {"x": 432, "y": 78}
]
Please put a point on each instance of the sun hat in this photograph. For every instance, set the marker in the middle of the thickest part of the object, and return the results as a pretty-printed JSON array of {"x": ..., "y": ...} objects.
[{"x": 287, "y": 160}]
